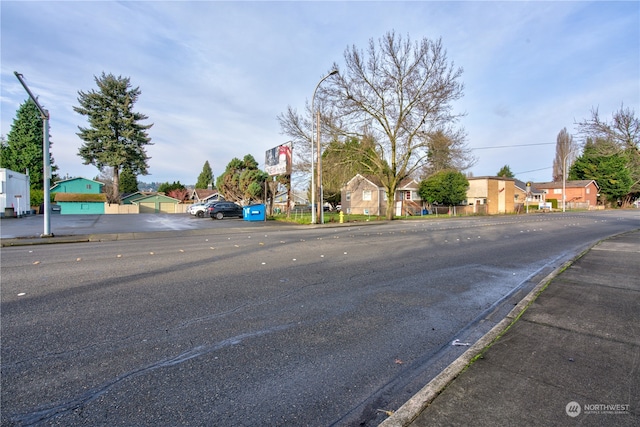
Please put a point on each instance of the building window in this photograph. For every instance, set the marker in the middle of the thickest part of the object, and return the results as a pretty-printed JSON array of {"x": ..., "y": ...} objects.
[
  {"x": 557, "y": 191},
  {"x": 348, "y": 196},
  {"x": 88, "y": 186},
  {"x": 366, "y": 195},
  {"x": 588, "y": 190},
  {"x": 407, "y": 195}
]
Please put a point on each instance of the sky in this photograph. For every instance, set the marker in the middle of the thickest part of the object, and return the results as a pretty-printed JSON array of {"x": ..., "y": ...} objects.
[{"x": 215, "y": 75}]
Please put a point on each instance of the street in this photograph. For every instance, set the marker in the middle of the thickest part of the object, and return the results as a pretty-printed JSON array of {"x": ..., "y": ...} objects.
[{"x": 265, "y": 325}]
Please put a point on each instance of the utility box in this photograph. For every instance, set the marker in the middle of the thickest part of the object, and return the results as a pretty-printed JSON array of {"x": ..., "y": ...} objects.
[{"x": 254, "y": 213}]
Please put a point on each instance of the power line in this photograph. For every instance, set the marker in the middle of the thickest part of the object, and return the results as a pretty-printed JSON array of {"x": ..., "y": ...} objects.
[
  {"x": 535, "y": 170},
  {"x": 512, "y": 146}
]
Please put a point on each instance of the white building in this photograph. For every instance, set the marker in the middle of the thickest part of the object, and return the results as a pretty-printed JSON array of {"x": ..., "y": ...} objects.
[{"x": 14, "y": 193}]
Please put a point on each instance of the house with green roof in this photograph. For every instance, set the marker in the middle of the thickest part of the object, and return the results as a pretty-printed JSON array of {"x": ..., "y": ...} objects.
[{"x": 79, "y": 196}]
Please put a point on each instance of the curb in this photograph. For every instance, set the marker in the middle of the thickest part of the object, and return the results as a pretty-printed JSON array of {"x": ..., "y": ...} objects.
[
  {"x": 140, "y": 235},
  {"x": 410, "y": 410}
]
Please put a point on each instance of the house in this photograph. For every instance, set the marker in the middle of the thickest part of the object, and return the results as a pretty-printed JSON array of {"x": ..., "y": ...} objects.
[
  {"x": 527, "y": 194},
  {"x": 366, "y": 196},
  {"x": 298, "y": 198},
  {"x": 581, "y": 194},
  {"x": 201, "y": 195},
  {"x": 129, "y": 199},
  {"x": 77, "y": 185},
  {"x": 79, "y": 196},
  {"x": 14, "y": 193},
  {"x": 491, "y": 195},
  {"x": 157, "y": 203}
]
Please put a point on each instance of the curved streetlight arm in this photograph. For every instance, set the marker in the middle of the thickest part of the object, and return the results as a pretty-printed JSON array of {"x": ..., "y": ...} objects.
[
  {"x": 45, "y": 113},
  {"x": 46, "y": 173}
]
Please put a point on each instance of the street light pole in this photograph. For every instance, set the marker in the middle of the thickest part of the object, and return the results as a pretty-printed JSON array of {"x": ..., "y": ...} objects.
[
  {"x": 564, "y": 180},
  {"x": 313, "y": 185},
  {"x": 45, "y": 154}
]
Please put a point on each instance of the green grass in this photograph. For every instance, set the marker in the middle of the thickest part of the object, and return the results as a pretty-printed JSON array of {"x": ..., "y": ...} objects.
[{"x": 329, "y": 217}]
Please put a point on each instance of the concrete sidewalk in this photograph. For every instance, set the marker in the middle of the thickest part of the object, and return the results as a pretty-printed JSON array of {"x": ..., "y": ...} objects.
[{"x": 571, "y": 358}]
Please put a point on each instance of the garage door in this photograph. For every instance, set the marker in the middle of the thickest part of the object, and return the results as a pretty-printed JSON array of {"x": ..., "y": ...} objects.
[
  {"x": 147, "y": 208},
  {"x": 168, "y": 207}
]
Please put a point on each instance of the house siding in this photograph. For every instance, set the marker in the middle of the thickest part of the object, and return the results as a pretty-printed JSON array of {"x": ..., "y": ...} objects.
[
  {"x": 81, "y": 208},
  {"x": 577, "y": 192},
  {"x": 496, "y": 193},
  {"x": 354, "y": 203},
  {"x": 77, "y": 185}
]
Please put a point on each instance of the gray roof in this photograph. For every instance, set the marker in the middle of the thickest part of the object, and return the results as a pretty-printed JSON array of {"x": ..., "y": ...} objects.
[{"x": 568, "y": 184}]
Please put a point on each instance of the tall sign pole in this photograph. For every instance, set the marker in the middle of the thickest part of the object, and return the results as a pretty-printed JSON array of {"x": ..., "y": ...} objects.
[{"x": 46, "y": 173}]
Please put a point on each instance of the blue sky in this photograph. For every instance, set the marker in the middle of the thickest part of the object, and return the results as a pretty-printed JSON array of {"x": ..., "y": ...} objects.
[{"x": 215, "y": 75}]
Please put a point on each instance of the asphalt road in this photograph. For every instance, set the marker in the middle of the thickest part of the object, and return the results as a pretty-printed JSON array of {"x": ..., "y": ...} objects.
[{"x": 264, "y": 326}]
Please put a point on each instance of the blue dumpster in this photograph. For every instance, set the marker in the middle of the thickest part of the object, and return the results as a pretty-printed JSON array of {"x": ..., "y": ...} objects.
[{"x": 254, "y": 213}]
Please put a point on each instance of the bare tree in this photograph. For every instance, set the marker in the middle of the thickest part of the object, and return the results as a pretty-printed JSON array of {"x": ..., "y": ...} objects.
[
  {"x": 623, "y": 130},
  {"x": 398, "y": 93},
  {"x": 297, "y": 127},
  {"x": 566, "y": 152},
  {"x": 106, "y": 178}
]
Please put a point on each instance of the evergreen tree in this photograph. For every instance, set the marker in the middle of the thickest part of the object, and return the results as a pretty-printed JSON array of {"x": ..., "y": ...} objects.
[
  {"x": 22, "y": 150},
  {"x": 340, "y": 162},
  {"x": 166, "y": 188},
  {"x": 115, "y": 137},
  {"x": 505, "y": 172},
  {"x": 445, "y": 188},
  {"x": 622, "y": 134},
  {"x": 206, "y": 176},
  {"x": 447, "y": 150},
  {"x": 608, "y": 170},
  {"x": 128, "y": 181},
  {"x": 242, "y": 181}
]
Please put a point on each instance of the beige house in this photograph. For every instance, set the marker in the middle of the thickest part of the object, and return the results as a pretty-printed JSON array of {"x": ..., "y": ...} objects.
[
  {"x": 366, "y": 196},
  {"x": 491, "y": 195}
]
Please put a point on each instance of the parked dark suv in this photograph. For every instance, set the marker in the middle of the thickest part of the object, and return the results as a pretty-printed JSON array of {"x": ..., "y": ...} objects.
[{"x": 222, "y": 209}]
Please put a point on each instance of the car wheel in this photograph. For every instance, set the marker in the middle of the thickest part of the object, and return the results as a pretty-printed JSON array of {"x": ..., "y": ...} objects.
[
  {"x": 219, "y": 215},
  {"x": 200, "y": 214}
]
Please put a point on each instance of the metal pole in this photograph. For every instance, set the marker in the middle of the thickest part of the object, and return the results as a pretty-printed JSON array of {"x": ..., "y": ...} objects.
[
  {"x": 319, "y": 166},
  {"x": 564, "y": 166},
  {"x": 564, "y": 179},
  {"x": 313, "y": 185},
  {"x": 313, "y": 171},
  {"x": 46, "y": 173},
  {"x": 47, "y": 179}
]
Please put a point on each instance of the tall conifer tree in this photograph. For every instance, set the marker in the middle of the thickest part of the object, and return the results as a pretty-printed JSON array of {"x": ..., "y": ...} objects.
[
  {"x": 22, "y": 151},
  {"x": 115, "y": 137}
]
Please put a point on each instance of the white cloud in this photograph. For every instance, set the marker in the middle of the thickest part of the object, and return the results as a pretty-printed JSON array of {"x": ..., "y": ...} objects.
[{"x": 215, "y": 75}]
